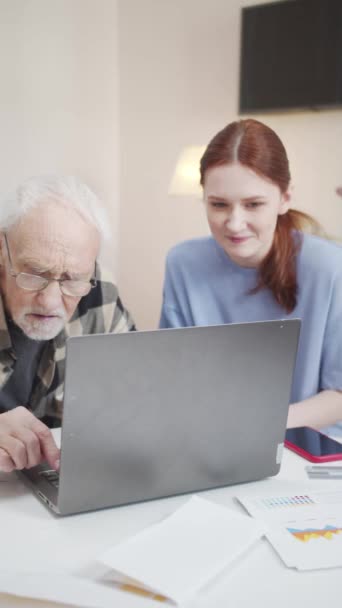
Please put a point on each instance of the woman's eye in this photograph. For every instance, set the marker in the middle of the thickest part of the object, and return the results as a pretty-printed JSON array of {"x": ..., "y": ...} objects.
[
  {"x": 253, "y": 205},
  {"x": 218, "y": 204}
]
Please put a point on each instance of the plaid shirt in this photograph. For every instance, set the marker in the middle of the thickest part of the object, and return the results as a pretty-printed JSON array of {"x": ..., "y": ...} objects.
[{"x": 101, "y": 311}]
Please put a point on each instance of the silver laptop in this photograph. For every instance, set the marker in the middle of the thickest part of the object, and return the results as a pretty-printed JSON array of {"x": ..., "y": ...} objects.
[{"x": 156, "y": 413}]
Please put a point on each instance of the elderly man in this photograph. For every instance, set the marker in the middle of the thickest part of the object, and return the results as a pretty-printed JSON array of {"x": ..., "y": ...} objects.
[{"x": 51, "y": 233}]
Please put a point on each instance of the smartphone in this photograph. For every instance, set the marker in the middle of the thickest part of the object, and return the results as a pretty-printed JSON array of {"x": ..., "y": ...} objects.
[{"x": 313, "y": 445}]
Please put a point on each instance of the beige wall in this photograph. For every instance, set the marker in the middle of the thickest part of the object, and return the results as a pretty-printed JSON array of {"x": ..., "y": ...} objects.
[
  {"x": 179, "y": 64},
  {"x": 59, "y": 95}
]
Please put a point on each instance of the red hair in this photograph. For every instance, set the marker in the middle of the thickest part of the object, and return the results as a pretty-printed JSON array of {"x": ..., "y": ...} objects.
[{"x": 259, "y": 148}]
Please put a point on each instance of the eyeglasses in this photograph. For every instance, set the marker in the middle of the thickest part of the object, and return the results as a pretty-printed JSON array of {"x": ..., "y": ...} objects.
[{"x": 34, "y": 282}]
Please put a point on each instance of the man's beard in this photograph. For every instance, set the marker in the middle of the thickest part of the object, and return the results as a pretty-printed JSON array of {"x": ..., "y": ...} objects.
[{"x": 40, "y": 329}]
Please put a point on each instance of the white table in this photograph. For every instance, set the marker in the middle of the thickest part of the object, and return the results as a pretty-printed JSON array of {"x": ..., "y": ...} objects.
[{"x": 32, "y": 539}]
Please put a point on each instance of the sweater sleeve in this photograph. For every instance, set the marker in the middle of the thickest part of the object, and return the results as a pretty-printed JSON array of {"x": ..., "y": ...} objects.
[
  {"x": 331, "y": 365},
  {"x": 171, "y": 314}
]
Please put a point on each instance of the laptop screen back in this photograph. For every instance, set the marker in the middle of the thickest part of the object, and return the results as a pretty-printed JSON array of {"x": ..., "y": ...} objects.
[{"x": 156, "y": 413}]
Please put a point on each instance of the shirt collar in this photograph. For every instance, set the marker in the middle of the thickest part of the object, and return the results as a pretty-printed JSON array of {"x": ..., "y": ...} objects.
[{"x": 5, "y": 338}]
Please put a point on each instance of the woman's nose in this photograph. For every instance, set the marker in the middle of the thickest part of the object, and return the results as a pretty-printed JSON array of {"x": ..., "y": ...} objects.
[{"x": 235, "y": 220}]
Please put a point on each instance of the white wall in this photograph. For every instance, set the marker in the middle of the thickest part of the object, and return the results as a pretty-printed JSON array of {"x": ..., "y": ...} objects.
[
  {"x": 59, "y": 95},
  {"x": 179, "y": 64}
]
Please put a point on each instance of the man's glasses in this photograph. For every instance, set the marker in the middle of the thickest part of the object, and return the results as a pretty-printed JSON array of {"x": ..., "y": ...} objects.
[{"x": 34, "y": 282}]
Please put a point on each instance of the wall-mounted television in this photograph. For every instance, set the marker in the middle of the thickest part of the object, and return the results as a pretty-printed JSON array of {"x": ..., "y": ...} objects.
[{"x": 291, "y": 55}]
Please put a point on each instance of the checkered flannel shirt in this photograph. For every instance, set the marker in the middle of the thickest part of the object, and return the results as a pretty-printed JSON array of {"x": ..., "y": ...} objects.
[{"x": 101, "y": 311}]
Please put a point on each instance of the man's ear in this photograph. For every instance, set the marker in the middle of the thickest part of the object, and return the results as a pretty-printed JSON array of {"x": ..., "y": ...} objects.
[{"x": 285, "y": 201}]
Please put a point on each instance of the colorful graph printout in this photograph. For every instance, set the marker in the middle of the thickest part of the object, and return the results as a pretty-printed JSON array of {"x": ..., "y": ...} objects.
[
  {"x": 276, "y": 502},
  {"x": 304, "y": 527},
  {"x": 328, "y": 532}
]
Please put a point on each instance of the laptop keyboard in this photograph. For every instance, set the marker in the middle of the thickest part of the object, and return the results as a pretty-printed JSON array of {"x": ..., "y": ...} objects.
[{"x": 51, "y": 476}]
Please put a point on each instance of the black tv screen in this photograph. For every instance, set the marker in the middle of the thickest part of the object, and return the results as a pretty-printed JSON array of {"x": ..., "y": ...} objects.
[{"x": 291, "y": 55}]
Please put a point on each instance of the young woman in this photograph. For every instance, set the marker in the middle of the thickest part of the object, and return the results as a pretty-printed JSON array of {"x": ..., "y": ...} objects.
[{"x": 259, "y": 264}]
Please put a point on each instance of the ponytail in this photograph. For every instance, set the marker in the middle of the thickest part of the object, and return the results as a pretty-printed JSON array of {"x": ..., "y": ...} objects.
[{"x": 278, "y": 271}]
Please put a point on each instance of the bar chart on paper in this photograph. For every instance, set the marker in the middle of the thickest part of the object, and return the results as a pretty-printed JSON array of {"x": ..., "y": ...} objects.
[
  {"x": 276, "y": 502},
  {"x": 329, "y": 532},
  {"x": 306, "y": 503},
  {"x": 304, "y": 528}
]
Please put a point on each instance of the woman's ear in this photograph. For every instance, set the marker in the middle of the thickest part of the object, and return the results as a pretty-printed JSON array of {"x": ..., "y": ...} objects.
[
  {"x": 2, "y": 255},
  {"x": 285, "y": 200}
]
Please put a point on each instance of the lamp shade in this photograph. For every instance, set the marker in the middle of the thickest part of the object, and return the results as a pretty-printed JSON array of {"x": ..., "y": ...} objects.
[{"x": 186, "y": 178}]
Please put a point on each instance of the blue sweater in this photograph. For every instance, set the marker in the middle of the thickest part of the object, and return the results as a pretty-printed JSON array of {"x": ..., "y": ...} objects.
[{"x": 203, "y": 286}]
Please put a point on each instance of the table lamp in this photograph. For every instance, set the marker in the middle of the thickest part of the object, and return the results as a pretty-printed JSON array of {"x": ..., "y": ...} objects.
[{"x": 186, "y": 177}]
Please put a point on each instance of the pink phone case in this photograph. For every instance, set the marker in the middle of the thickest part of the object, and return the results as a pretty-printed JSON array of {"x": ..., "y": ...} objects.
[{"x": 311, "y": 457}]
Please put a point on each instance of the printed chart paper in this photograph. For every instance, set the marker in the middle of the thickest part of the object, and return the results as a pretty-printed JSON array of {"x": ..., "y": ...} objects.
[{"x": 305, "y": 529}]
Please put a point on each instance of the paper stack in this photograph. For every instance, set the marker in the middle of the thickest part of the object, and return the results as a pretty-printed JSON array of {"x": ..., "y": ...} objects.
[
  {"x": 305, "y": 529},
  {"x": 178, "y": 556}
]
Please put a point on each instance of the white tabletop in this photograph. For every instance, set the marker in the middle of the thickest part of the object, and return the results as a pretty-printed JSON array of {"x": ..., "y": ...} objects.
[{"x": 34, "y": 540}]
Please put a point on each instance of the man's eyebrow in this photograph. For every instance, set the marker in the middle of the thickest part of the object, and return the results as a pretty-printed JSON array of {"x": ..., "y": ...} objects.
[
  {"x": 77, "y": 276},
  {"x": 33, "y": 265}
]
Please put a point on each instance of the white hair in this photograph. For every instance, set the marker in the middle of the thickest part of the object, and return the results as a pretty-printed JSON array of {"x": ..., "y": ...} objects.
[{"x": 66, "y": 191}]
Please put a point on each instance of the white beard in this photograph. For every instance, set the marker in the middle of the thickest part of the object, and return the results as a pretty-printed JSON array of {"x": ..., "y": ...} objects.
[{"x": 37, "y": 329}]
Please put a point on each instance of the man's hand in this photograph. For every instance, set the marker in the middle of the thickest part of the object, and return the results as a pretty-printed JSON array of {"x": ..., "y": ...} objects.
[{"x": 25, "y": 441}]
